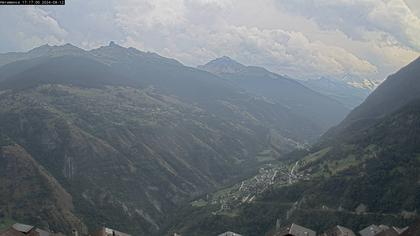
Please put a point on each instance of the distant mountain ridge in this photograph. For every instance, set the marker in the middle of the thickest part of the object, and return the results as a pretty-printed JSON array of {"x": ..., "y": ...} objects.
[
  {"x": 101, "y": 53},
  {"x": 300, "y": 99},
  {"x": 223, "y": 65},
  {"x": 339, "y": 90},
  {"x": 349, "y": 90},
  {"x": 395, "y": 92}
]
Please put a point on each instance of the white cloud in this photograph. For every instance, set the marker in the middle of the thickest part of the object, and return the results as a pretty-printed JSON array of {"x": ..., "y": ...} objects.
[
  {"x": 414, "y": 5},
  {"x": 397, "y": 19},
  {"x": 28, "y": 27},
  {"x": 283, "y": 51},
  {"x": 302, "y": 38},
  {"x": 40, "y": 20},
  {"x": 287, "y": 52},
  {"x": 394, "y": 18},
  {"x": 150, "y": 14}
]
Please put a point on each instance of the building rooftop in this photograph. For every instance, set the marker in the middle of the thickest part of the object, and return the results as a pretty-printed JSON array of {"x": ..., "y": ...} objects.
[
  {"x": 22, "y": 227},
  {"x": 371, "y": 230},
  {"x": 339, "y": 231},
  {"x": 104, "y": 231},
  {"x": 296, "y": 230},
  {"x": 229, "y": 233}
]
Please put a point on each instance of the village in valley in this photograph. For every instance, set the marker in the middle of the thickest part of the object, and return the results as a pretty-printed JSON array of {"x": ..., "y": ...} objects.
[
  {"x": 269, "y": 176},
  {"x": 278, "y": 174}
]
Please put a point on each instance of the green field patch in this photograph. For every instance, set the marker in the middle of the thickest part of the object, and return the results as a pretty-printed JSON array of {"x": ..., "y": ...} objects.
[
  {"x": 418, "y": 157},
  {"x": 312, "y": 159},
  {"x": 317, "y": 155},
  {"x": 343, "y": 164},
  {"x": 199, "y": 203},
  {"x": 265, "y": 156},
  {"x": 231, "y": 214}
]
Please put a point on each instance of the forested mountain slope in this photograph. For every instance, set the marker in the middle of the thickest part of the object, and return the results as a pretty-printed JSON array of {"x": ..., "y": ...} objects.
[
  {"x": 365, "y": 171},
  {"x": 395, "y": 92},
  {"x": 127, "y": 136}
]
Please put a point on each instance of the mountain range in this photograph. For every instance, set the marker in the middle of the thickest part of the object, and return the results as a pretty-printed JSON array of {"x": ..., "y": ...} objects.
[
  {"x": 340, "y": 90},
  {"x": 363, "y": 171},
  {"x": 280, "y": 89},
  {"x": 119, "y": 137}
]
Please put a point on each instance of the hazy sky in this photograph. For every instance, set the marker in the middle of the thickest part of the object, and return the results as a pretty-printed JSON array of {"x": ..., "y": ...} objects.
[{"x": 301, "y": 38}]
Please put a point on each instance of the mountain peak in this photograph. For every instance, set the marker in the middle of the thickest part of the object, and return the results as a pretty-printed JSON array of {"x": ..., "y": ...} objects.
[
  {"x": 113, "y": 44},
  {"x": 116, "y": 52},
  {"x": 224, "y": 60},
  {"x": 112, "y": 48},
  {"x": 56, "y": 50},
  {"x": 44, "y": 47},
  {"x": 223, "y": 65}
]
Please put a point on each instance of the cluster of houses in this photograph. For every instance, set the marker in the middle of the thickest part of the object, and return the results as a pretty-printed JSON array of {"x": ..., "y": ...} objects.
[
  {"x": 290, "y": 230},
  {"x": 249, "y": 189},
  {"x": 29, "y": 230},
  {"x": 372, "y": 230}
]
